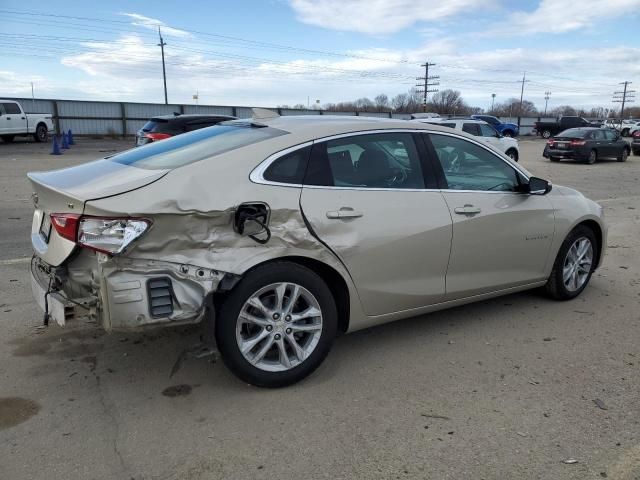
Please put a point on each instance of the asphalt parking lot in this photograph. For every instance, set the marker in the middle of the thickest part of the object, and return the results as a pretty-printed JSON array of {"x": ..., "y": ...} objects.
[{"x": 514, "y": 387}]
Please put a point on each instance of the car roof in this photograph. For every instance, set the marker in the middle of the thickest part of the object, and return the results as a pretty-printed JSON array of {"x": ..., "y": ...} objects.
[{"x": 311, "y": 127}]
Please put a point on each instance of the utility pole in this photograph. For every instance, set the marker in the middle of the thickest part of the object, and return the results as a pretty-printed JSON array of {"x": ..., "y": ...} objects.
[
  {"x": 546, "y": 100},
  {"x": 524, "y": 80},
  {"x": 164, "y": 72},
  {"x": 493, "y": 98},
  {"x": 625, "y": 98},
  {"x": 425, "y": 87}
]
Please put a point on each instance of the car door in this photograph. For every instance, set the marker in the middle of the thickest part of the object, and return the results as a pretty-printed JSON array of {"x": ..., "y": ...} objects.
[
  {"x": 501, "y": 238},
  {"x": 614, "y": 142},
  {"x": 15, "y": 119},
  {"x": 372, "y": 199}
]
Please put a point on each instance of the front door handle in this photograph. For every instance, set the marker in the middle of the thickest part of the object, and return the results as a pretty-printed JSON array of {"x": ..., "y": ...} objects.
[
  {"x": 344, "y": 212},
  {"x": 467, "y": 210}
]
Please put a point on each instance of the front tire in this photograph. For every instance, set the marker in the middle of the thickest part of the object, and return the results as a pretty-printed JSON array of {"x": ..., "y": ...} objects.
[
  {"x": 41, "y": 133},
  {"x": 546, "y": 134},
  {"x": 574, "y": 264},
  {"x": 277, "y": 325}
]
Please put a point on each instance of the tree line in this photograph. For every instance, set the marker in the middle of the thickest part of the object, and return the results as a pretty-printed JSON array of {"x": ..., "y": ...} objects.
[{"x": 450, "y": 102}]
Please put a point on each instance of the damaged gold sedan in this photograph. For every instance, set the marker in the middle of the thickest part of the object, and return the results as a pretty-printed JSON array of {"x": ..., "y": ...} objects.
[{"x": 281, "y": 232}]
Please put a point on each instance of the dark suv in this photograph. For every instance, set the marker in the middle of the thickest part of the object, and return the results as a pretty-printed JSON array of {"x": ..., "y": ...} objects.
[
  {"x": 159, "y": 128},
  {"x": 635, "y": 142}
]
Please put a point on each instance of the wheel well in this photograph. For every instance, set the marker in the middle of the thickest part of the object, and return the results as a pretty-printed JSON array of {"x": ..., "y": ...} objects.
[
  {"x": 508, "y": 130},
  {"x": 512, "y": 150},
  {"x": 43, "y": 124},
  {"x": 331, "y": 277},
  {"x": 597, "y": 231}
]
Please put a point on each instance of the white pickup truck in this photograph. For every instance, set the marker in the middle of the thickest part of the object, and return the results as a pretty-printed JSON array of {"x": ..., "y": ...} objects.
[{"x": 14, "y": 122}]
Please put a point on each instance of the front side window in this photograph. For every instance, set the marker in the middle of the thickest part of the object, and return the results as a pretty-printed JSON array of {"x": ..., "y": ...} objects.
[
  {"x": 11, "y": 108},
  {"x": 487, "y": 130},
  {"x": 468, "y": 166},
  {"x": 384, "y": 160}
]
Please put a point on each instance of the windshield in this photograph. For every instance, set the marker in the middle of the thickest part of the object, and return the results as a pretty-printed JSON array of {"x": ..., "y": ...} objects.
[{"x": 194, "y": 146}]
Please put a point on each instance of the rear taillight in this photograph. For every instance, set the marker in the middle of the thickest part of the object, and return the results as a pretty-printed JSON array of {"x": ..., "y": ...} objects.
[
  {"x": 576, "y": 143},
  {"x": 110, "y": 235},
  {"x": 106, "y": 235},
  {"x": 157, "y": 136},
  {"x": 636, "y": 134},
  {"x": 66, "y": 224},
  {"x": 550, "y": 142}
]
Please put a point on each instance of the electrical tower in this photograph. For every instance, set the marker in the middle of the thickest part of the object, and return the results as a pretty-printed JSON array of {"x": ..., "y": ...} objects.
[
  {"x": 427, "y": 83},
  {"x": 627, "y": 97},
  {"x": 524, "y": 80},
  {"x": 546, "y": 101},
  {"x": 164, "y": 72}
]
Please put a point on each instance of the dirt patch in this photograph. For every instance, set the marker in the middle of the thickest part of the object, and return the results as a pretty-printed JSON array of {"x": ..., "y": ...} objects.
[
  {"x": 177, "y": 391},
  {"x": 15, "y": 410}
]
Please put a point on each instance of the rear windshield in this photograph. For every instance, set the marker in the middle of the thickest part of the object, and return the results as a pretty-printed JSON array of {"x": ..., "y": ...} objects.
[
  {"x": 194, "y": 146},
  {"x": 573, "y": 133},
  {"x": 155, "y": 125}
]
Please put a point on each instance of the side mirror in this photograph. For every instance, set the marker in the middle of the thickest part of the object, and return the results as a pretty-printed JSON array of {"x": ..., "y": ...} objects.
[{"x": 538, "y": 186}]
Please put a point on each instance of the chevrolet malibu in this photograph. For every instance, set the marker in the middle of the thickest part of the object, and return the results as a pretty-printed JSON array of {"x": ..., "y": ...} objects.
[{"x": 279, "y": 233}]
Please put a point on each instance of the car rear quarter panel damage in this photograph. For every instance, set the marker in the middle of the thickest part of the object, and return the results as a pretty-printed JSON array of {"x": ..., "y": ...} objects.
[{"x": 192, "y": 209}]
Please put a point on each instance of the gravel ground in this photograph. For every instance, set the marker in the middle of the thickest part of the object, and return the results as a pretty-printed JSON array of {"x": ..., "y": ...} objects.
[{"x": 513, "y": 387}]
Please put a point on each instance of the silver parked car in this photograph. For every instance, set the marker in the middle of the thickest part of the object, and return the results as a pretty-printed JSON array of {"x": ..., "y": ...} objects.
[{"x": 281, "y": 232}]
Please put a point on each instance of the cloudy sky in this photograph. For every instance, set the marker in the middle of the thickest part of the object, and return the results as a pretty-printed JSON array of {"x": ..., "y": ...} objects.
[{"x": 272, "y": 52}]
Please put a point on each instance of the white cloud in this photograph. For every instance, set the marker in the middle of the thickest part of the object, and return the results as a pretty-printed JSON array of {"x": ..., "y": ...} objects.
[
  {"x": 560, "y": 16},
  {"x": 378, "y": 16},
  {"x": 154, "y": 23}
]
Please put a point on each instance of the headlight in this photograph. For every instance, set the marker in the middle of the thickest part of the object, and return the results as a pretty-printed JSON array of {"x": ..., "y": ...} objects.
[{"x": 110, "y": 235}]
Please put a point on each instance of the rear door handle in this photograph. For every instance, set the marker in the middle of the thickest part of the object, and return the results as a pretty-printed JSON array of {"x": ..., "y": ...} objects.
[
  {"x": 467, "y": 210},
  {"x": 344, "y": 212}
]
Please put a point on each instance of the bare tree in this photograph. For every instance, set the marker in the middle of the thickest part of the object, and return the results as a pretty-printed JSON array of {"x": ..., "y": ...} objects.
[
  {"x": 382, "y": 102},
  {"x": 447, "y": 101},
  {"x": 400, "y": 102}
]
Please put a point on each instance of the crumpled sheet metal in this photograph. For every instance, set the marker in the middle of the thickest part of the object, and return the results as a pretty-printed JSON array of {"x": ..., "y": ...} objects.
[{"x": 193, "y": 209}]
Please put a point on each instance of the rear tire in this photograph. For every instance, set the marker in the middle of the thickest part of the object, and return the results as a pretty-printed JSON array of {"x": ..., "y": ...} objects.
[
  {"x": 624, "y": 155},
  {"x": 289, "y": 349},
  {"x": 625, "y": 132},
  {"x": 560, "y": 285},
  {"x": 546, "y": 134},
  {"x": 636, "y": 152},
  {"x": 593, "y": 157},
  {"x": 41, "y": 134},
  {"x": 8, "y": 138},
  {"x": 512, "y": 153},
  {"x": 507, "y": 133}
]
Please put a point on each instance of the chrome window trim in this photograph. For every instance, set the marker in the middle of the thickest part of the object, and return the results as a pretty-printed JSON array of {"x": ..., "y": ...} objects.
[{"x": 257, "y": 174}]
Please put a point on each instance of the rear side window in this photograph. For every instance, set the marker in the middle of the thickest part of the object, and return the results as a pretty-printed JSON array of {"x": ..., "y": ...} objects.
[
  {"x": 157, "y": 125},
  {"x": 380, "y": 161},
  {"x": 289, "y": 168},
  {"x": 471, "y": 128},
  {"x": 194, "y": 146},
  {"x": 573, "y": 133},
  {"x": 11, "y": 108}
]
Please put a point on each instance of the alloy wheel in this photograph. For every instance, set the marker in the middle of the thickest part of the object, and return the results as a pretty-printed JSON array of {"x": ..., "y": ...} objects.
[
  {"x": 577, "y": 264},
  {"x": 279, "y": 327}
]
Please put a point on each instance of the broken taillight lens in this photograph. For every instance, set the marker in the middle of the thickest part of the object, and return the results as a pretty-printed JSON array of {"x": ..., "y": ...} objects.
[{"x": 110, "y": 235}]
